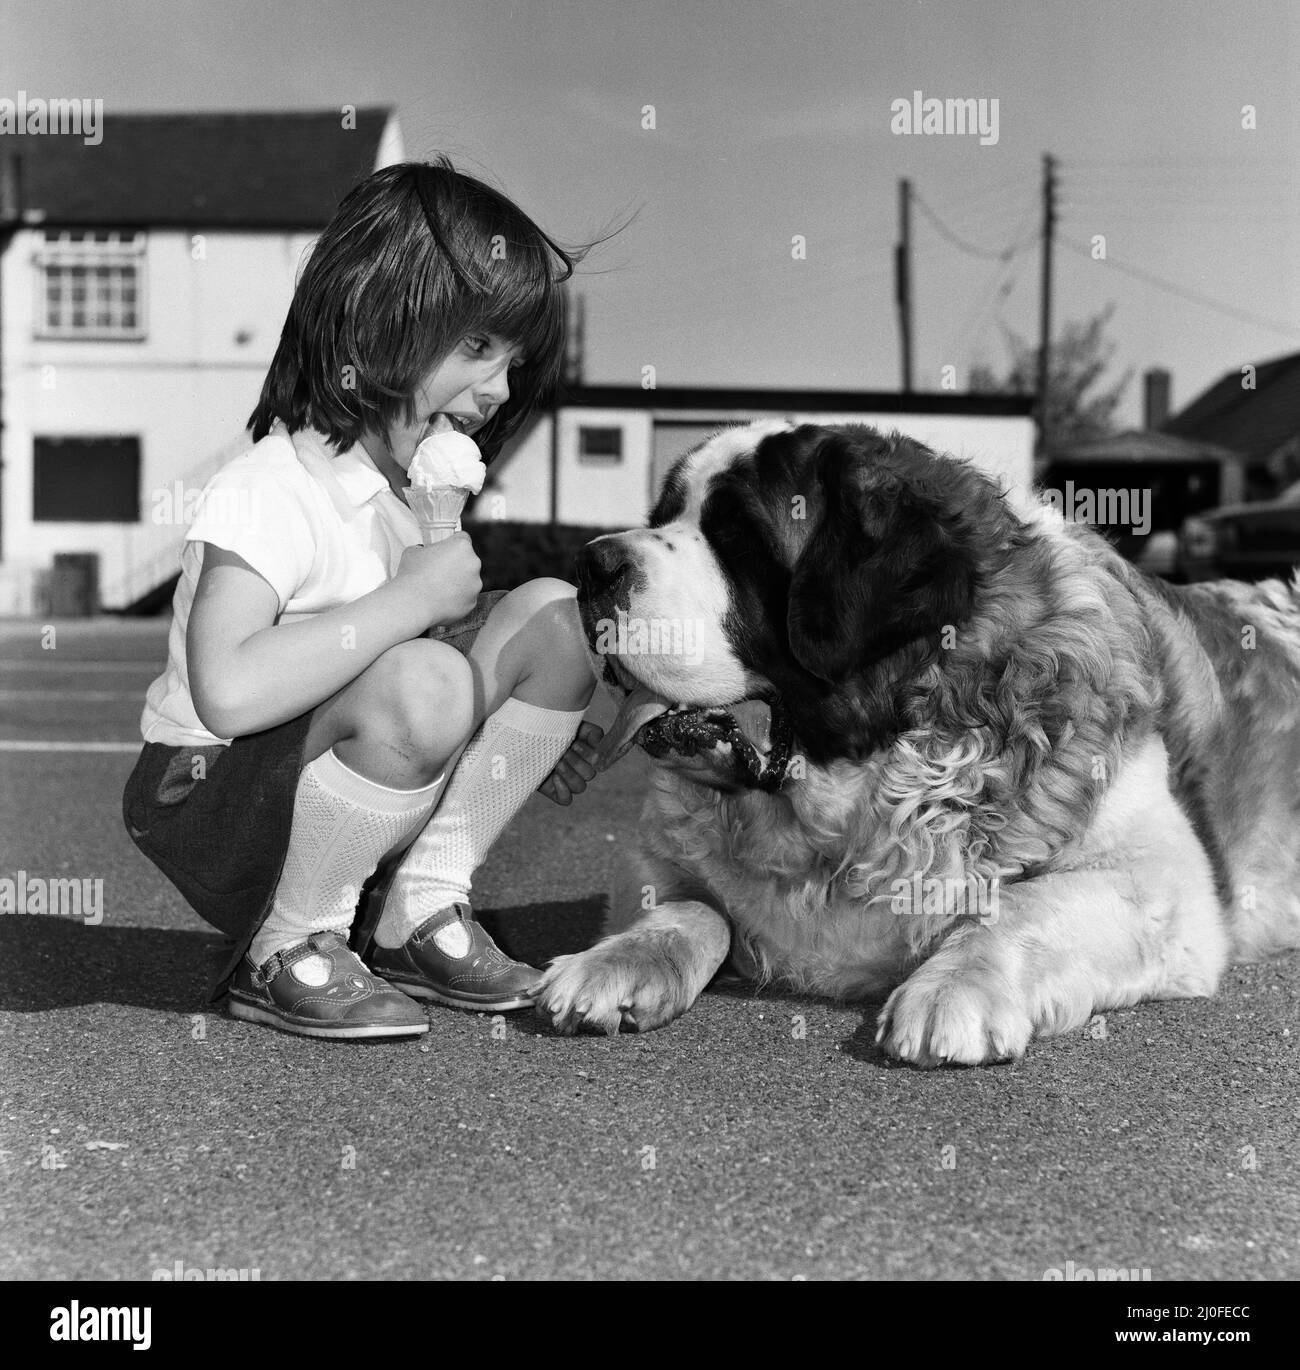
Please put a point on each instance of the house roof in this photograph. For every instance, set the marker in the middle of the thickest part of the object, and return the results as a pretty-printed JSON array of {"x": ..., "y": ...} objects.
[
  {"x": 1140, "y": 445},
  {"x": 1253, "y": 422},
  {"x": 724, "y": 402},
  {"x": 284, "y": 170}
]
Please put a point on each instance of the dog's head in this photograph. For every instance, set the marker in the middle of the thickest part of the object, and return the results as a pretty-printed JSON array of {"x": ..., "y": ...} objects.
[{"x": 814, "y": 566}]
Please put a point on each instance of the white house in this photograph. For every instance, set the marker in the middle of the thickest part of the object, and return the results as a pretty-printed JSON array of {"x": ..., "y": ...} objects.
[
  {"x": 601, "y": 457},
  {"x": 143, "y": 285}
]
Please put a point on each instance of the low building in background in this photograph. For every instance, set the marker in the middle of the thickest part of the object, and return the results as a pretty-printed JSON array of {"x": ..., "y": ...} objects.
[
  {"x": 1255, "y": 412},
  {"x": 600, "y": 458},
  {"x": 1138, "y": 488},
  {"x": 143, "y": 285}
]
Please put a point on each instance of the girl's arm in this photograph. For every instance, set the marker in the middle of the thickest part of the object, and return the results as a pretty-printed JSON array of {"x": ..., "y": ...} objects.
[{"x": 248, "y": 673}]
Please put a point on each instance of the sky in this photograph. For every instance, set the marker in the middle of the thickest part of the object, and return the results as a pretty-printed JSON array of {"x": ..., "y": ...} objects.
[{"x": 772, "y": 121}]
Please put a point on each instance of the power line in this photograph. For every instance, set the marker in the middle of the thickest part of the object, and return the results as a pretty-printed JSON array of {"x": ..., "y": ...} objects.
[
  {"x": 1160, "y": 189},
  {"x": 1171, "y": 162},
  {"x": 1003, "y": 284},
  {"x": 988, "y": 301},
  {"x": 971, "y": 249},
  {"x": 995, "y": 223},
  {"x": 997, "y": 290},
  {"x": 1002, "y": 188},
  {"x": 1173, "y": 288},
  {"x": 1153, "y": 203},
  {"x": 989, "y": 297}
]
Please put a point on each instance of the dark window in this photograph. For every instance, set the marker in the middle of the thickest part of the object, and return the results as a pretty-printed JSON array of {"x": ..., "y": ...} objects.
[
  {"x": 86, "y": 480},
  {"x": 604, "y": 445}
]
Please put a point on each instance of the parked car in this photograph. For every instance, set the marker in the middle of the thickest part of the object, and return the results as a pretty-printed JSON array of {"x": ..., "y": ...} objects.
[
  {"x": 1242, "y": 541},
  {"x": 1157, "y": 555}
]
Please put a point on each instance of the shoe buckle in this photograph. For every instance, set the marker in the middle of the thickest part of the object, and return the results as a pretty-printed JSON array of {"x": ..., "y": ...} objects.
[
  {"x": 270, "y": 969},
  {"x": 275, "y": 965},
  {"x": 425, "y": 932}
]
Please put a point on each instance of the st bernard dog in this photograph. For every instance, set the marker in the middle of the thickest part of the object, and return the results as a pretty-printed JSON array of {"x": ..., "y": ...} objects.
[{"x": 914, "y": 736}]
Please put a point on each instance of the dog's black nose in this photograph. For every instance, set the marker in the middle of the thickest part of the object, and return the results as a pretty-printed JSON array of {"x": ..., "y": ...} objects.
[{"x": 602, "y": 564}]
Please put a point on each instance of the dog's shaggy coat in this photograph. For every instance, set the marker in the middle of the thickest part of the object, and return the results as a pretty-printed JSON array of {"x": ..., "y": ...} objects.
[{"x": 1029, "y": 783}]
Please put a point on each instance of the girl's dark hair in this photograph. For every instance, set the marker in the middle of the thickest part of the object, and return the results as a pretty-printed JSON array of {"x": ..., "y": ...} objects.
[{"x": 416, "y": 257}]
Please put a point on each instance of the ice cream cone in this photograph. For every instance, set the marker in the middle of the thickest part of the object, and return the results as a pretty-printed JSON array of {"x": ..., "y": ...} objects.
[{"x": 438, "y": 511}]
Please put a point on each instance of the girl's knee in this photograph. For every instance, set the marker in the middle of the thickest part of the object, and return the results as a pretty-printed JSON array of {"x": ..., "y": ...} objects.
[
  {"x": 549, "y": 607},
  {"x": 424, "y": 688},
  {"x": 543, "y": 595},
  {"x": 557, "y": 655}
]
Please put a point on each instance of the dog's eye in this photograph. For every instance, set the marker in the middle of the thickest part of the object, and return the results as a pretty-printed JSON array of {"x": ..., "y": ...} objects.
[
  {"x": 729, "y": 524},
  {"x": 671, "y": 502}
]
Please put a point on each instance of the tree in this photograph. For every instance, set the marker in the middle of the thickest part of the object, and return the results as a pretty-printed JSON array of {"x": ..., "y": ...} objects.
[{"x": 1079, "y": 356}]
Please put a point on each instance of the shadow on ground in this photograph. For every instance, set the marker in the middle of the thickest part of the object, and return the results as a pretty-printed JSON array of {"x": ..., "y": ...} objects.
[{"x": 53, "y": 963}]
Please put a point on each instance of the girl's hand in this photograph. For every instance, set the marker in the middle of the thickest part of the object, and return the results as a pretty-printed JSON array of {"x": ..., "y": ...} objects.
[
  {"x": 446, "y": 577},
  {"x": 575, "y": 768}
]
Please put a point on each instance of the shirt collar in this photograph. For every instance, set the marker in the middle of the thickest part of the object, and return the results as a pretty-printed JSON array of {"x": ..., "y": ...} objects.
[{"x": 350, "y": 478}]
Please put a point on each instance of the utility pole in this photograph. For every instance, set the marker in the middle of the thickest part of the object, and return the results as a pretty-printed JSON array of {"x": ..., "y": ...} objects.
[
  {"x": 580, "y": 342},
  {"x": 575, "y": 341},
  {"x": 11, "y": 219},
  {"x": 903, "y": 279},
  {"x": 1045, "y": 317},
  {"x": 573, "y": 377}
]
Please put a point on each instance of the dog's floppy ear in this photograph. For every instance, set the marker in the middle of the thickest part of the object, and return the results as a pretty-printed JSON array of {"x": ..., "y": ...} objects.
[{"x": 893, "y": 558}]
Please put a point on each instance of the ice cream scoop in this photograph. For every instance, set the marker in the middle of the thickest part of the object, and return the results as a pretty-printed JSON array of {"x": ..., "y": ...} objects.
[
  {"x": 447, "y": 459},
  {"x": 444, "y": 472}
]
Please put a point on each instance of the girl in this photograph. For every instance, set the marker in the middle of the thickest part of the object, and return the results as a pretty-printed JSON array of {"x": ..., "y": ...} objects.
[{"x": 325, "y": 670}]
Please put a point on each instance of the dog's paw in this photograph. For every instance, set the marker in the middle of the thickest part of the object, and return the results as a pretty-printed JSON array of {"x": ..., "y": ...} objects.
[
  {"x": 631, "y": 982},
  {"x": 970, "y": 1017}
]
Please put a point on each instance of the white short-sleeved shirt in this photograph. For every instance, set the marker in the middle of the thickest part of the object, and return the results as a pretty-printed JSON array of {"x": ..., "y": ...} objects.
[{"x": 323, "y": 527}]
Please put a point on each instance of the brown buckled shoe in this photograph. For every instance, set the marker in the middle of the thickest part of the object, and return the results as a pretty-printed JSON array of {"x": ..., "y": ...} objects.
[
  {"x": 451, "y": 959},
  {"x": 319, "y": 988}
]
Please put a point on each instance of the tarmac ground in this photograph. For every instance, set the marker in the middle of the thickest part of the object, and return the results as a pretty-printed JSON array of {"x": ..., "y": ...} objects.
[{"x": 763, "y": 1136}]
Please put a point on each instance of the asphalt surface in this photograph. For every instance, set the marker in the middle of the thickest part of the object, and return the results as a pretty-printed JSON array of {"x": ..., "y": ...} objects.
[{"x": 762, "y": 1136}]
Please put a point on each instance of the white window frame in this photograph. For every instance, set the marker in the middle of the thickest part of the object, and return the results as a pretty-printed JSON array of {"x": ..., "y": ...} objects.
[{"x": 111, "y": 257}]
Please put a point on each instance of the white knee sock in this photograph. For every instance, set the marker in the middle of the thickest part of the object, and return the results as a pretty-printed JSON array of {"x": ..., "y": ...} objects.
[
  {"x": 510, "y": 755},
  {"x": 342, "y": 824}
]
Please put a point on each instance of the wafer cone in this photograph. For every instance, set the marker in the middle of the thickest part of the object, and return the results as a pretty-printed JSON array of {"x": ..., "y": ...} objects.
[{"x": 438, "y": 511}]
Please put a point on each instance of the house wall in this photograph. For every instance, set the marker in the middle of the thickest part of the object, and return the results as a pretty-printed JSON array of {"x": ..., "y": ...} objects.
[
  {"x": 214, "y": 304},
  {"x": 604, "y": 496},
  {"x": 1003, "y": 447},
  {"x": 621, "y": 496},
  {"x": 522, "y": 491},
  {"x": 589, "y": 493}
]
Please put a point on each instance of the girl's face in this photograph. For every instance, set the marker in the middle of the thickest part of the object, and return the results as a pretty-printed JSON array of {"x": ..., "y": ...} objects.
[{"x": 466, "y": 389}]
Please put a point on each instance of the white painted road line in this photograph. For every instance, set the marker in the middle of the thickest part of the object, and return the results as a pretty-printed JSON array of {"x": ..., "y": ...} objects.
[
  {"x": 72, "y": 665},
  {"x": 6, "y": 746},
  {"x": 85, "y": 696}
]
